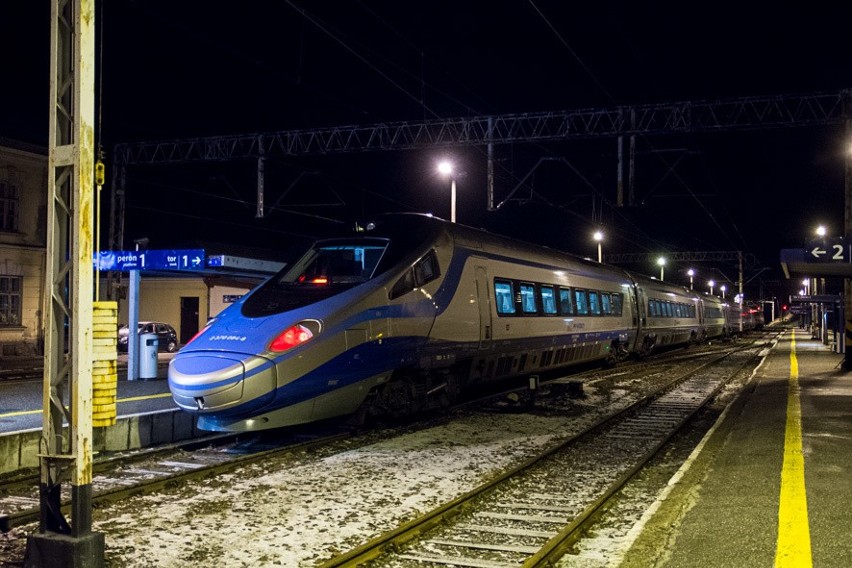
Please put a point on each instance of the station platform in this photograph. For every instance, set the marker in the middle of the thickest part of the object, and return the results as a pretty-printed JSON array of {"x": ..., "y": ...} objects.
[
  {"x": 771, "y": 483},
  {"x": 146, "y": 414}
]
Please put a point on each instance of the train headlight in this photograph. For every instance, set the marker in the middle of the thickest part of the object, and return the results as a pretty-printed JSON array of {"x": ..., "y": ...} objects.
[{"x": 294, "y": 336}]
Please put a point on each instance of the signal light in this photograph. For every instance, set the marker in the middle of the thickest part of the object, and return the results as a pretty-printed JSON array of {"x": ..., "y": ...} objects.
[{"x": 291, "y": 337}]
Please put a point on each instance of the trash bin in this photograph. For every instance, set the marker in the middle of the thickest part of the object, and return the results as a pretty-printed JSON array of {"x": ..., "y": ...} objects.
[{"x": 149, "y": 344}]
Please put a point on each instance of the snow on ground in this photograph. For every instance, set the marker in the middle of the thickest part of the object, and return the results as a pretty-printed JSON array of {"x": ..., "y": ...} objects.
[{"x": 313, "y": 509}]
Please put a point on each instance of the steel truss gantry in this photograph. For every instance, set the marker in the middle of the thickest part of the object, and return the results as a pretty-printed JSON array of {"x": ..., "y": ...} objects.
[
  {"x": 827, "y": 108},
  {"x": 699, "y": 256},
  {"x": 657, "y": 119}
]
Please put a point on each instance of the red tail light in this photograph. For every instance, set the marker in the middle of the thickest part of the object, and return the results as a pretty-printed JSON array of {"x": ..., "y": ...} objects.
[{"x": 291, "y": 337}]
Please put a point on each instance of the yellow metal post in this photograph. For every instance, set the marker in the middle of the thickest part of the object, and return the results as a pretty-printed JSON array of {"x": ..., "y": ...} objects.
[{"x": 64, "y": 453}]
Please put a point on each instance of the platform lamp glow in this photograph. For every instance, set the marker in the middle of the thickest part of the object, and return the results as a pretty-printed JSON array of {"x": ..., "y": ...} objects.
[
  {"x": 821, "y": 231},
  {"x": 691, "y": 273},
  {"x": 711, "y": 284},
  {"x": 722, "y": 289},
  {"x": 661, "y": 262},
  {"x": 598, "y": 236},
  {"x": 445, "y": 167}
]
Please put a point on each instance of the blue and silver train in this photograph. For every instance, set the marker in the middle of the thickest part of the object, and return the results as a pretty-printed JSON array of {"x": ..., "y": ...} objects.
[{"x": 406, "y": 314}]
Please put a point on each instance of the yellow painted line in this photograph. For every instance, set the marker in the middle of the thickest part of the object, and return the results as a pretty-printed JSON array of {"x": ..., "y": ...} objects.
[
  {"x": 130, "y": 399},
  {"x": 793, "y": 548}
]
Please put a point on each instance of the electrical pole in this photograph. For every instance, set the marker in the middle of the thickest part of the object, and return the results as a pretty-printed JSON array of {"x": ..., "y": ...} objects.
[{"x": 67, "y": 453}]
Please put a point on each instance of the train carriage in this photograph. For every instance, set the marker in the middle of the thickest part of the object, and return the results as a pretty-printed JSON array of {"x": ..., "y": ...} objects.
[{"x": 406, "y": 315}]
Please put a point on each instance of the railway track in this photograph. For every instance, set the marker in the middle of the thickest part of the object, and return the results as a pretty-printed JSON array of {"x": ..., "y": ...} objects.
[
  {"x": 532, "y": 514},
  {"x": 146, "y": 471},
  {"x": 142, "y": 472}
]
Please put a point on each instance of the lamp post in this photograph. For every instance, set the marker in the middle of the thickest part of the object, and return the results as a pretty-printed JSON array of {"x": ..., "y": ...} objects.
[
  {"x": 662, "y": 264},
  {"x": 722, "y": 288},
  {"x": 821, "y": 231},
  {"x": 711, "y": 284},
  {"x": 445, "y": 167},
  {"x": 598, "y": 236},
  {"x": 691, "y": 273}
]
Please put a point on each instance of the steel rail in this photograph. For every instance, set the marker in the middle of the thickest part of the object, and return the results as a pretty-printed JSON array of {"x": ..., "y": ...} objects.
[
  {"x": 392, "y": 540},
  {"x": 27, "y": 516}
]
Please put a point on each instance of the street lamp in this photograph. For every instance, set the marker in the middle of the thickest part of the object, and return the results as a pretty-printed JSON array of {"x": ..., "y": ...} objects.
[
  {"x": 598, "y": 236},
  {"x": 446, "y": 168},
  {"x": 691, "y": 273},
  {"x": 821, "y": 231},
  {"x": 662, "y": 263},
  {"x": 711, "y": 284},
  {"x": 722, "y": 288}
]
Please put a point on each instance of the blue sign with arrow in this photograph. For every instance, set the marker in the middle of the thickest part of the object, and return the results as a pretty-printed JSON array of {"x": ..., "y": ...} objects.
[{"x": 174, "y": 259}]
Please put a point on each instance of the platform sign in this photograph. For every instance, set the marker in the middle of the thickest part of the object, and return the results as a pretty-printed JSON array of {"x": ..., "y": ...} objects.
[
  {"x": 829, "y": 250},
  {"x": 169, "y": 259}
]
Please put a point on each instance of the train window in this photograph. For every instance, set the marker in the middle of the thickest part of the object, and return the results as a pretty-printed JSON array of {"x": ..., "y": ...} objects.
[
  {"x": 606, "y": 306},
  {"x": 566, "y": 306},
  {"x": 594, "y": 303},
  {"x": 668, "y": 308},
  {"x": 504, "y": 295},
  {"x": 336, "y": 263},
  {"x": 403, "y": 286},
  {"x": 426, "y": 269},
  {"x": 581, "y": 302},
  {"x": 652, "y": 308},
  {"x": 616, "y": 305},
  {"x": 528, "y": 303},
  {"x": 548, "y": 301}
]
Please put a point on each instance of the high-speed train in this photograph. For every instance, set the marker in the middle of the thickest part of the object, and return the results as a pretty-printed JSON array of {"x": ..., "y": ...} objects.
[{"x": 404, "y": 315}]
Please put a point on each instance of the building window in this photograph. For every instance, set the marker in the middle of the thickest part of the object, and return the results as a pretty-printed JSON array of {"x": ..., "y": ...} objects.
[
  {"x": 10, "y": 300},
  {"x": 8, "y": 206}
]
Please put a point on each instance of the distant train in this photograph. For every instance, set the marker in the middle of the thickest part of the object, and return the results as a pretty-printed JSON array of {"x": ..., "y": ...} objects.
[{"x": 404, "y": 315}]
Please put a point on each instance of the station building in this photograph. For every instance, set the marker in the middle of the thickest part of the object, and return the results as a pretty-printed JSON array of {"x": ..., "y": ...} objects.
[
  {"x": 23, "y": 230},
  {"x": 184, "y": 300}
]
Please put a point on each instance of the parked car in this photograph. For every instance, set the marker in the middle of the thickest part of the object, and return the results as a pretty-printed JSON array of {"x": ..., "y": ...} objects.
[{"x": 166, "y": 335}]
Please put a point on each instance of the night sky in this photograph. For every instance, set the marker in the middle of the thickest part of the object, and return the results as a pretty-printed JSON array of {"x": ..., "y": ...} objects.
[{"x": 190, "y": 68}]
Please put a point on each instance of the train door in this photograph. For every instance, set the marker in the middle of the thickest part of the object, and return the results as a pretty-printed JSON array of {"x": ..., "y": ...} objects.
[{"x": 483, "y": 295}]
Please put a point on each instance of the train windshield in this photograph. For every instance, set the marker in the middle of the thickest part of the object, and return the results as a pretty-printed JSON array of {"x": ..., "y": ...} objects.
[
  {"x": 328, "y": 268},
  {"x": 331, "y": 263}
]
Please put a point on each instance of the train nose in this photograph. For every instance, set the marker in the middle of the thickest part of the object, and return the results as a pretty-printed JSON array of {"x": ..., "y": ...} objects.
[{"x": 206, "y": 383}]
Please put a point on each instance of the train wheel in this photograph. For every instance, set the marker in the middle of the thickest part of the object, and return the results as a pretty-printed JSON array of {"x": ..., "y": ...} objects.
[
  {"x": 647, "y": 346},
  {"x": 397, "y": 398}
]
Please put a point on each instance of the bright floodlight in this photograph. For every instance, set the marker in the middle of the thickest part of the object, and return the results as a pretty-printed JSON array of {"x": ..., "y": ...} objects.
[
  {"x": 598, "y": 236},
  {"x": 661, "y": 261},
  {"x": 820, "y": 231},
  {"x": 690, "y": 273},
  {"x": 445, "y": 167}
]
